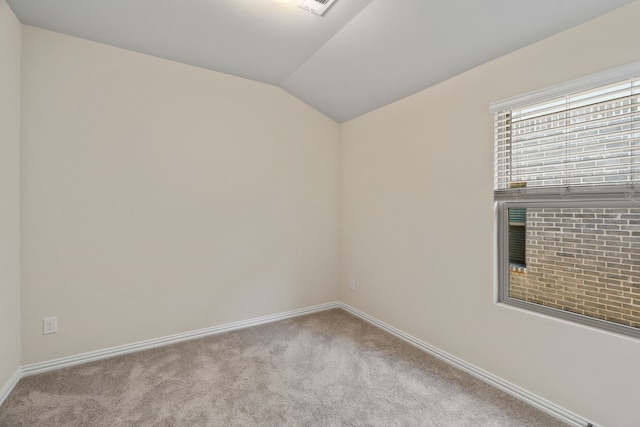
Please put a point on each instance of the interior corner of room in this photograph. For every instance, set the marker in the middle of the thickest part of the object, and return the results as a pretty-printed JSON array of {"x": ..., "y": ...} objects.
[{"x": 142, "y": 198}]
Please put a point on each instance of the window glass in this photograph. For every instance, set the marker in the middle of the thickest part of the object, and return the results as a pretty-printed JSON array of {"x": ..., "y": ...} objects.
[{"x": 583, "y": 261}]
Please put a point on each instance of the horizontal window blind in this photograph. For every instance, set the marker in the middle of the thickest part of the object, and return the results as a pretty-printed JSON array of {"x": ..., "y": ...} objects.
[
  {"x": 517, "y": 245},
  {"x": 517, "y": 236},
  {"x": 567, "y": 193},
  {"x": 589, "y": 138}
]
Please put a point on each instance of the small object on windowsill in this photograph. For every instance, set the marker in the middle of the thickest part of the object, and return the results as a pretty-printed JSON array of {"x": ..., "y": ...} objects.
[{"x": 517, "y": 268}]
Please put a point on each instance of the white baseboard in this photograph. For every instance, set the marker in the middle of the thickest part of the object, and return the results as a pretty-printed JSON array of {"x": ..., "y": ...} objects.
[
  {"x": 8, "y": 387},
  {"x": 64, "y": 362},
  {"x": 497, "y": 382},
  {"x": 509, "y": 388}
]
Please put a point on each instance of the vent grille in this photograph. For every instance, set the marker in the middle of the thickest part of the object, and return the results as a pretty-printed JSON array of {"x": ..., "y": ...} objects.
[{"x": 318, "y": 7}]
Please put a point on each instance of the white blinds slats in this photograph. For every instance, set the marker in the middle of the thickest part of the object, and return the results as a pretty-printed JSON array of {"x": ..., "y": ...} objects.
[{"x": 590, "y": 138}]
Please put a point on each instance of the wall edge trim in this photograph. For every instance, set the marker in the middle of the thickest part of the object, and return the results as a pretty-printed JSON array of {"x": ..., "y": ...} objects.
[
  {"x": 50, "y": 365},
  {"x": 489, "y": 378},
  {"x": 6, "y": 389}
]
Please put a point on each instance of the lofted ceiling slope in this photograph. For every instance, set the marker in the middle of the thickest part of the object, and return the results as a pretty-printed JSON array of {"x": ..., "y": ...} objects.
[{"x": 361, "y": 55}]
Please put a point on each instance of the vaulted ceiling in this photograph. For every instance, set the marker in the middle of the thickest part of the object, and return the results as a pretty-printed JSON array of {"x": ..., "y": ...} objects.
[{"x": 358, "y": 56}]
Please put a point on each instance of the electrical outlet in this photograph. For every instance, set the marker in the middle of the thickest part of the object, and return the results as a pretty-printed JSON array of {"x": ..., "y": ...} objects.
[
  {"x": 49, "y": 325},
  {"x": 352, "y": 285}
]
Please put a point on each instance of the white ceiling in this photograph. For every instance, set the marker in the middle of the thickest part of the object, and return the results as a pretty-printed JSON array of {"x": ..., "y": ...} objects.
[{"x": 361, "y": 55}]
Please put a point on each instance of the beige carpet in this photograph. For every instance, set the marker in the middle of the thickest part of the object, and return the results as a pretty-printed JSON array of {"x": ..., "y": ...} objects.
[{"x": 324, "y": 369}]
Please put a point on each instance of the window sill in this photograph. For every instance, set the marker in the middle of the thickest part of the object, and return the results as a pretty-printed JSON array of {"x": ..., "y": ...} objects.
[{"x": 517, "y": 268}]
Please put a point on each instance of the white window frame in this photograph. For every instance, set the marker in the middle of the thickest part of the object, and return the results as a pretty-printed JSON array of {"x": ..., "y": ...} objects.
[
  {"x": 574, "y": 197},
  {"x": 504, "y": 268}
]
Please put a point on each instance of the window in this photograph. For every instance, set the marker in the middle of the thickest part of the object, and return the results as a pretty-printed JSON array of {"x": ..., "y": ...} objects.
[
  {"x": 517, "y": 239},
  {"x": 567, "y": 192}
]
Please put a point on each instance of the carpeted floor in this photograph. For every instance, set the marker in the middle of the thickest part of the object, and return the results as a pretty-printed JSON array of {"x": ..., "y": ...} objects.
[{"x": 324, "y": 369}]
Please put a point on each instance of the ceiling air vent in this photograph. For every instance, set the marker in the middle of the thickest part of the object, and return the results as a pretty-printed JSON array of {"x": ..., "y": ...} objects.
[{"x": 316, "y": 6}]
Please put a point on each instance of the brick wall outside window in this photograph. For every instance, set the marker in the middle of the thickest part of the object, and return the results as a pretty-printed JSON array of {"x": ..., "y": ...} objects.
[{"x": 583, "y": 260}]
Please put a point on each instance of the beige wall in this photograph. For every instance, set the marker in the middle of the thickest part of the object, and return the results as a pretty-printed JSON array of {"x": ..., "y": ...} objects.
[
  {"x": 161, "y": 198},
  {"x": 10, "y": 47},
  {"x": 417, "y": 227}
]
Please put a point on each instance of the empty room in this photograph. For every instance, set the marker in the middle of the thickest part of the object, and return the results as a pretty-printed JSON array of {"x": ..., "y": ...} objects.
[{"x": 319, "y": 213}]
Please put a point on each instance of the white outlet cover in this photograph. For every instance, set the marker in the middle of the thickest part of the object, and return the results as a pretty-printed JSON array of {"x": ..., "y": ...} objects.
[{"x": 49, "y": 325}]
